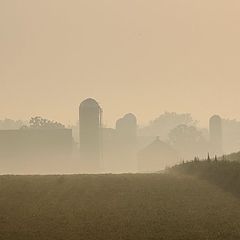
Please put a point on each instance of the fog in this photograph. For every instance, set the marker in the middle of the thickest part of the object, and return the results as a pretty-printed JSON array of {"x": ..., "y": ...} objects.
[
  {"x": 145, "y": 57},
  {"x": 158, "y": 71},
  {"x": 119, "y": 119},
  {"x": 43, "y": 146}
]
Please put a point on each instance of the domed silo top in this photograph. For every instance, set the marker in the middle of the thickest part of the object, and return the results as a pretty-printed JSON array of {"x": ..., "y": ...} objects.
[
  {"x": 130, "y": 117},
  {"x": 129, "y": 120},
  {"x": 216, "y": 118},
  {"x": 90, "y": 103},
  {"x": 215, "y": 123}
]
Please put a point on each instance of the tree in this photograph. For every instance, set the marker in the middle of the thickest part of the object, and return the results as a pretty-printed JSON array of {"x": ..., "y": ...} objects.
[
  {"x": 7, "y": 124},
  {"x": 39, "y": 122},
  {"x": 167, "y": 121},
  {"x": 189, "y": 141}
]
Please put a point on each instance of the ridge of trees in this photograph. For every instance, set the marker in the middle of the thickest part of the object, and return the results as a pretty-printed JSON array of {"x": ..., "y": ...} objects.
[{"x": 223, "y": 173}]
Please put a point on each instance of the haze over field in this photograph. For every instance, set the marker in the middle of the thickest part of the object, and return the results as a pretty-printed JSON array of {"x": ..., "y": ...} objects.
[
  {"x": 119, "y": 120},
  {"x": 133, "y": 56}
]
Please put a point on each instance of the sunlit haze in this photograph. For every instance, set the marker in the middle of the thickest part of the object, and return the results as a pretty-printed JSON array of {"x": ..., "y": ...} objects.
[{"x": 138, "y": 56}]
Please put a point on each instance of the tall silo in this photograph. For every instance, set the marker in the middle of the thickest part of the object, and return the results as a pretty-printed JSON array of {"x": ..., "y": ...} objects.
[
  {"x": 126, "y": 127},
  {"x": 126, "y": 134},
  {"x": 90, "y": 122},
  {"x": 215, "y": 132}
]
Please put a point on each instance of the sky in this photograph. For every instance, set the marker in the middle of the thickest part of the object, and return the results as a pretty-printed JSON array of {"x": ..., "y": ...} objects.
[{"x": 139, "y": 56}]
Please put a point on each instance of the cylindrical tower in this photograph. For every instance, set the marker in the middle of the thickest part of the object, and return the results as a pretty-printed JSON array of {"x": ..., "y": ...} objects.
[
  {"x": 126, "y": 128},
  {"x": 126, "y": 133},
  {"x": 90, "y": 122},
  {"x": 215, "y": 131}
]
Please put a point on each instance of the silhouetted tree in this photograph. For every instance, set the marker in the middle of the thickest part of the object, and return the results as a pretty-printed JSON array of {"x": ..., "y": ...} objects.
[
  {"x": 11, "y": 124},
  {"x": 224, "y": 158},
  {"x": 188, "y": 141},
  {"x": 39, "y": 122},
  {"x": 167, "y": 121}
]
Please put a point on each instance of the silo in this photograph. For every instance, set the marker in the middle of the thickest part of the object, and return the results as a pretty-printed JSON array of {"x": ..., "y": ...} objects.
[
  {"x": 126, "y": 134},
  {"x": 215, "y": 131},
  {"x": 127, "y": 128},
  {"x": 90, "y": 122}
]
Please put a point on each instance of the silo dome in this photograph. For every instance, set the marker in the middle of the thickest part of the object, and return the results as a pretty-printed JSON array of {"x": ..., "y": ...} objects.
[
  {"x": 131, "y": 118},
  {"x": 89, "y": 103},
  {"x": 215, "y": 118}
]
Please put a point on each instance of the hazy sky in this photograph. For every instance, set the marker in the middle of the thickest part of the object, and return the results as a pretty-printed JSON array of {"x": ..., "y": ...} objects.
[{"x": 140, "y": 56}]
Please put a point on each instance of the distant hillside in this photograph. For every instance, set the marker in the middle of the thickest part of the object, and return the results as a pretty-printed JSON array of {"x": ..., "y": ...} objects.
[
  {"x": 114, "y": 207},
  {"x": 233, "y": 157},
  {"x": 223, "y": 173}
]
